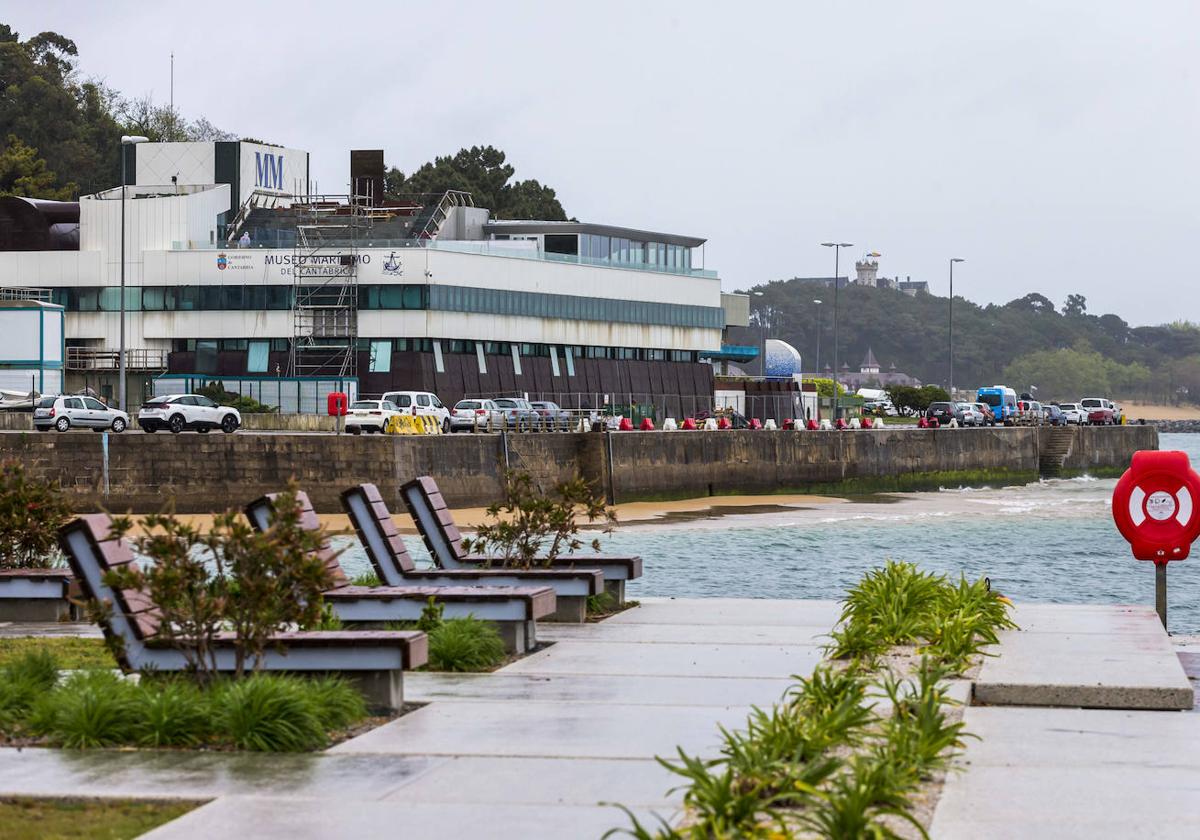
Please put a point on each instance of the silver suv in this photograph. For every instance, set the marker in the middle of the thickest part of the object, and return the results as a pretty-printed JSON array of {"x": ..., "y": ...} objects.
[
  {"x": 177, "y": 412},
  {"x": 66, "y": 412}
]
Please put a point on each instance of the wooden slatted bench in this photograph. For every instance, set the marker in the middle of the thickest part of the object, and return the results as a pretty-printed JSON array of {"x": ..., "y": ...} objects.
[
  {"x": 375, "y": 660},
  {"x": 35, "y": 595},
  {"x": 513, "y": 610},
  {"x": 387, "y": 552},
  {"x": 434, "y": 520}
]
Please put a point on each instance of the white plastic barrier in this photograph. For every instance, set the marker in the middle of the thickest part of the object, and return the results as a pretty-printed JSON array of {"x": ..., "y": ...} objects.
[
  {"x": 799, "y": 424},
  {"x": 826, "y": 426},
  {"x": 953, "y": 424},
  {"x": 583, "y": 425},
  {"x": 854, "y": 423},
  {"x": 710, "y": 425},
  {"x": 769, "y": 426},
  {"x": 669, "y": 425}
]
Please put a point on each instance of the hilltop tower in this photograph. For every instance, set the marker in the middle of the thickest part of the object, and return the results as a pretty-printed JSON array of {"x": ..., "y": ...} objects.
[{"x": 866, "y": 268}]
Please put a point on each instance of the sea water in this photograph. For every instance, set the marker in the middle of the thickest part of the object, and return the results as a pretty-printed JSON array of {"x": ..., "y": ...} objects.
[{"x": 1050, "y": 541}]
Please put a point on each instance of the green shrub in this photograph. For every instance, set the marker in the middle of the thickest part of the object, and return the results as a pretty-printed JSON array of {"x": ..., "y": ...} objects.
[
  {"x": 22, "y": 681},
  {"x": 337, "y": 702},
  {"x": 170, "y": 713},
  {"x": 90, "y": 709},
  {"x": 267, "y": 713},
  {"x": 464, "y": 644},
  {"x": 917, "y": 737},
  {"x": 869, "y": 800},
  {"x": 31, "y": 512},
  {"x": 366, "y": 579}
]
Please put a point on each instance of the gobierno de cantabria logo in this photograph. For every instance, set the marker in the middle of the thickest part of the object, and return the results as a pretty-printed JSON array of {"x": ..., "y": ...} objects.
[{"x": 222, "y": 262}]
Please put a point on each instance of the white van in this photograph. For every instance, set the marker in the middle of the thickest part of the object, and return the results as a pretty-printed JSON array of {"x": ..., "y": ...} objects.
[{"x": 421, "y": 404}]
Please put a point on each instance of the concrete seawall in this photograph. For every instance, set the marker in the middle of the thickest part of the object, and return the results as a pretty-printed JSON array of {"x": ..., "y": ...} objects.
[{"x": 205, "y": 473}]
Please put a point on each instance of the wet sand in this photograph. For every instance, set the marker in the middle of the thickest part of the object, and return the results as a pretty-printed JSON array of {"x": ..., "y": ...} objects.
[{"x": 629, "y": 514}]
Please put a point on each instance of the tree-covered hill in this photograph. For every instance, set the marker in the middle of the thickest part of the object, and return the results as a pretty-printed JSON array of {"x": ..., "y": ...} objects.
[{"x": 1027, "y": 341}]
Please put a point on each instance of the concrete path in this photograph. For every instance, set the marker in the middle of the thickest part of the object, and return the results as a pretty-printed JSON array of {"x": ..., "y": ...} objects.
[
  {"x": 1096, "y": 656},
  {"x": 538, "y": 749}
]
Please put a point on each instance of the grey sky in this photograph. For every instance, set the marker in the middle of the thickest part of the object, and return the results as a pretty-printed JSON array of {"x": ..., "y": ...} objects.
[{"x": 1051, "y": 144}]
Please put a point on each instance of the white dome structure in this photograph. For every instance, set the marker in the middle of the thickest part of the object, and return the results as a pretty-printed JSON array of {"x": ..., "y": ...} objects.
[{"x": 782, "y": 360}]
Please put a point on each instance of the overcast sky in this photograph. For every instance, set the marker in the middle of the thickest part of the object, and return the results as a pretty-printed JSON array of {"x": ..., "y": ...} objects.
[{"x": 1052, "y": 145}]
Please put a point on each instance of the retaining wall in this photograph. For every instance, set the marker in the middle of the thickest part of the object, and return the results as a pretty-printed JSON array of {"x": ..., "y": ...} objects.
[{"x": 204, "y": 473}]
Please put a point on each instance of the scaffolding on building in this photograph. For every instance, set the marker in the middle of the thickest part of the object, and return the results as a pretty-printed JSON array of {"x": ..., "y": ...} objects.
[{"x": 325, "y": 262}]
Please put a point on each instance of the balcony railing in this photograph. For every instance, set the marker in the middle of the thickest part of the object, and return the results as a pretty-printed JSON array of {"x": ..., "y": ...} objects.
[{"x": 90, "y": 358}]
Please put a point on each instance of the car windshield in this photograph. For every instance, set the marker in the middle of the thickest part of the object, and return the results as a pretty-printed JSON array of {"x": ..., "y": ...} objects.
[
  {"x": 990, "y": 399},
  {"x": 46, "y": 402},
  {"x": 467, "y": 404},
  {"x": 365, "y": 404},
  {"x": 940, "y": 406},
  {"x": 1091, "y": 403},
  {"x": 506, "y": 403}
]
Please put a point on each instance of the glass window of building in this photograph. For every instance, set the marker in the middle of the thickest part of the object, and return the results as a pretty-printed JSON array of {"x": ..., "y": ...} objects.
[{"x": 381, "y": 357}]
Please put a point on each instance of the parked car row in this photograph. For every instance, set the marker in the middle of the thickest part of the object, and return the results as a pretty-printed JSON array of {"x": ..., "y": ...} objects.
[{"x": 175, "y": 413}]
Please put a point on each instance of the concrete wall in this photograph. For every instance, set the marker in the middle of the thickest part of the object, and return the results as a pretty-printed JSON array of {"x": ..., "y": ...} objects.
[{"x": 205, "y": 473}]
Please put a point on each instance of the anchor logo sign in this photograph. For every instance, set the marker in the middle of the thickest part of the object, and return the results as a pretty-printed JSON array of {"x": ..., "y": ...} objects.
[{"x": 393, "y": 266}]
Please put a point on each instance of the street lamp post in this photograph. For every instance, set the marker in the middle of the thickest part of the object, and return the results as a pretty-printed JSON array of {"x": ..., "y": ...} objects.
[
  {"x": 817, "y": 301},
  {"x": 837, "y": 252},
  {"x": 953, "y": 260},
  {"x": 126, "y": 140}
]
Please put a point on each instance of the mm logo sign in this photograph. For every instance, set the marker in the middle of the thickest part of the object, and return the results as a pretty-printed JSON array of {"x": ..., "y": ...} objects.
[{"x": 268, "y": 171}]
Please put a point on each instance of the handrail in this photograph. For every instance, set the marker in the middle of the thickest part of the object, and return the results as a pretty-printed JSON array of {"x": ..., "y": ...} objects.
[{"x": 90, "y": 358}]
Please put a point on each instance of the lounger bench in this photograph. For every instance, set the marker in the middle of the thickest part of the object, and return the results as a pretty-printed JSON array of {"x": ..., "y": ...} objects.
[
  {"x": 436, "y": 523},
  {"x": 514, "y": 610},
  {"x": 387, "y": 552},
  {"x": 375, "y": 660},
  {"x": 35, "y": 594}
]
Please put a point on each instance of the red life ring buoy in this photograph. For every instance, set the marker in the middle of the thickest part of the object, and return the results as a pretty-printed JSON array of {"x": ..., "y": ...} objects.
[{"x": 1156, "y": 506}]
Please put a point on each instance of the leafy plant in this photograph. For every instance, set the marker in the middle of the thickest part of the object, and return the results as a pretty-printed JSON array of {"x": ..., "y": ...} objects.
[
  {"x": 337, "y": 702},
  {"x": 22, "y": 681},
  {"x": 31, "y": 512},
  {"x": 366, "y": 579},
  {"x": 531, "y": 526},
  {"x": 464, "y": 644},
  {"x": 91, "y": 709},
  {"x": 170, "y": 713},
  {"x": 859, "y": 803},
  {"x": 216, "y": 392},
  {"x": 917, "y": 737},
  {"x": 267, "y": 713}
]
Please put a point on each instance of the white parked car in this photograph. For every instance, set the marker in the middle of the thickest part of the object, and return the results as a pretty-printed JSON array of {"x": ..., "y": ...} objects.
[
  {"x": 179, "y": 412},
  {"x": 370, "y": 415},
  {"x": 1073, "y": 413},
  {"x": 67, "y": 412},
  {"x": 467, "y": 414},
  {"x": 420, "y": 404},
  {"x": 971, "y": 416}
]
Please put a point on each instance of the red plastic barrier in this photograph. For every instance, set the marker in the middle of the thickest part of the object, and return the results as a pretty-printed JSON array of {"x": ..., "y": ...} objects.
[
  {"x": 867, "y": 422},
  {"x": 647, "y": 425},
  {"x": 934, "y": 423},
  {"x": 922, "y": 423},
  {"x": 689, "y": 424},
  {"x": 723, "y": 423},
  {"x": 788, "y": 423},
  {"x": 755, "y": 423},
  {"x": 337, "y": 404},
  {"x": 812, "y": 425},
  {"x": 842, "y": 424},
  {"x": 626, "y": 425}
]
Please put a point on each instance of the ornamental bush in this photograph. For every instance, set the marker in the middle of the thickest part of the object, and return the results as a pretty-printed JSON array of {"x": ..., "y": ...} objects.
[{"x": 31, "y": 512}]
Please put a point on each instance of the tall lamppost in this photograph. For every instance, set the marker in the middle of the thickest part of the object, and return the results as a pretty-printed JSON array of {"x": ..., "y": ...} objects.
[
  {"x": 817, "y": 301},
  {"x": 126, "y": 140},
  {"x": 953, "y": 260},
  {"x": 837, "y": 252}
]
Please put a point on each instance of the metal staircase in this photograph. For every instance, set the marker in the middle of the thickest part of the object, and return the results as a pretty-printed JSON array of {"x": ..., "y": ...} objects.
[
  {"x": 429, "y": 221},
  {"x": 325, "y": 264}
]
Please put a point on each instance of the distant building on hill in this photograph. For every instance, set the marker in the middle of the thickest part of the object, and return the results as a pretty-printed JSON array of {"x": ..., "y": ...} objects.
[
  {"x": 869, "y": 375},
  {"x": 867, "y": 274}
]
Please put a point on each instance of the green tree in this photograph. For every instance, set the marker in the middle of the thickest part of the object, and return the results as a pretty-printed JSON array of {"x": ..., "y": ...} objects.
[
  {"x": 1075, "y": 306},
  {"x": 31, "y": 512},
  {"x": 483, "y": 172},
  {"x": 23, "y": 173}
]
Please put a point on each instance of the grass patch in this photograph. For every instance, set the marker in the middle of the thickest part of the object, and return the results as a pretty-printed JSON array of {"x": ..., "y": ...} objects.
[
  {"x": 71, "y": 652},
  {"x": 25, "y": 818},
  {"x": 366, "y": 579},
  {"x": 464, "y": 644}
]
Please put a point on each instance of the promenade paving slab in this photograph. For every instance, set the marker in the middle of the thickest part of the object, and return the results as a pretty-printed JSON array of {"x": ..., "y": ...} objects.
[
  {"x": 653, "y": 632},
  {"x": 507, "y": 687},
  {"x": 730, "y": 611},
  {"x": 1093, "y": 657},
  {"x": 550, "y": 729},
  {"x": 284, "y": 819},
  {"x": 1067, "y": 773},
  {"x": 669, "y": 660}
]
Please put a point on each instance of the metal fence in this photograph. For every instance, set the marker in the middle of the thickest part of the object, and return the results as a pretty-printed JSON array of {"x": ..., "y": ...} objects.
[
  {"x": 658, "y": 407},
  {"x": 289, "y": 395}
]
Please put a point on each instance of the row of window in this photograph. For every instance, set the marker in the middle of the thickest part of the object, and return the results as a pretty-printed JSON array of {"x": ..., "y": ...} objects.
[
  {"x": 390, "y": 297},
  {"x": 632, "y": 252}
]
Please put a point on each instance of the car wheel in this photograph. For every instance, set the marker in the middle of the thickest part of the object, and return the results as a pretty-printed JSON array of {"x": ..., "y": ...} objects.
[
  {"x": 62, "y": 424},
  {"x": 229, "y": 424},
  {"x": 176, "y": 424},
  {"x": 446, "y": 426},
  {"x": 354, "y": 430},
  {"x": 118, "y": 425}
]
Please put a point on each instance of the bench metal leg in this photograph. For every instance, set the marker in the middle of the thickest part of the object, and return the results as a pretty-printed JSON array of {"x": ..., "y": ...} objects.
[
  {"x": 518, "y": 636},
  {"x": 35, "y": 609},
  {"x": 381, "y": 689},
  {"x": 615, "y": 589},
  {"x": 572, "y": 609}
]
